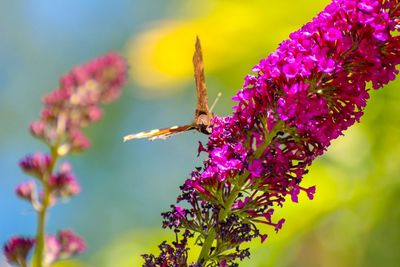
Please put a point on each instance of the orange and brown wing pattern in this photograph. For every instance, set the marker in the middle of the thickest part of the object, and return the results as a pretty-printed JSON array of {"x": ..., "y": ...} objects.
[
  {"x": 159, "y": 133},
  {"x": 203, "y": 116},
  {"x": 201, "y": 89}
]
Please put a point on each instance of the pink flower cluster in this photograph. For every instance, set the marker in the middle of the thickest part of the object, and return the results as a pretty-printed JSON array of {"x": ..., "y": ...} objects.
[
  {"x": 76, "y": 103},
  {"x": 17, "y": 248},
  {"x": 60, "y": 184},
  {"x": 62, "y": 246},
  {"x": 68, "y": 109}
]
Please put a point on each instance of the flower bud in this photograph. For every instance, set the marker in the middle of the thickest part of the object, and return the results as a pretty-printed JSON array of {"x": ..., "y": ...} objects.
[
  {"x": 17, "y": 249},
  {"x": 36, "y": 165},
  {"x": 71, "y": 243},
  {"x": 64, "y": 183},
  {"x": 26, "y": 190}
]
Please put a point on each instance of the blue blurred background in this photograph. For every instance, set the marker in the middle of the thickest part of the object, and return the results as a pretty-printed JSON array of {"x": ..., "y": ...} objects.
[{"x": 355, "y": 218}]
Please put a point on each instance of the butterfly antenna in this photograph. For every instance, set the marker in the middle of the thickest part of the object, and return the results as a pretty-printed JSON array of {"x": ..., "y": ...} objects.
[{"x": 215, "y": 101}]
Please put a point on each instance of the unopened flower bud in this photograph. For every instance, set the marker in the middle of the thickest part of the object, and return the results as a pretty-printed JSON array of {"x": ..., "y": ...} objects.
[{"x": 17, "y": 249}]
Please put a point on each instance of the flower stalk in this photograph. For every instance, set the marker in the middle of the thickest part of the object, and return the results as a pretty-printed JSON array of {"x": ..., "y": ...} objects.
[
  {"x": 37, "y": 260},
  {"x": 68, "y": 109}
]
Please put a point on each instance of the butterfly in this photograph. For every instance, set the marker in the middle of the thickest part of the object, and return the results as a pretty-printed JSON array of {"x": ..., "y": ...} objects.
[{"x": 203, "y": 114}]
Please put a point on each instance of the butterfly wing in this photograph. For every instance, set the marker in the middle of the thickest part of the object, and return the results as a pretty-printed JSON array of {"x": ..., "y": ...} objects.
[
  {"x": 159, "y": 133},
  {"x": 203, "y": 116},
  {"x": 201, "y": 89}
]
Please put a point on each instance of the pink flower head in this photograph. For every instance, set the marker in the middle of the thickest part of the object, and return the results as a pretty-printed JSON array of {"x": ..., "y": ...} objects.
[
  {"x": 256, "y": 169},
  {"x": 240, "y": 204},
  {"x": 52, "y": 250},
  {"x": 200, "y": 149},
  {"x": 181, "y": 212},
  {"x": 64, "y": 183},
  {"x": 36, "y": 165},
  {"x": 295, "y": 194},
  {"x": 98, "y": 80},
  {"x": 332, "y": 35},
  {"x": 16, "y": 250},
  {"x": 368, "y": 6},
  {"x": 279, "y": 224},
  {"x": 310, "y": 192},
  {"x": 26, "y": 190},
  {"x": 113, "y": 76},
  {"x": 37, "y": 129},
  {"x": 78, "y": 141},
  {"x": 76, "y": 103},
  {"x": 71, "y": 243}
]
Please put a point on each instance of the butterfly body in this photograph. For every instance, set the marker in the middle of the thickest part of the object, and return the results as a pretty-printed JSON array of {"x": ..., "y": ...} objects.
[
  {"x": 202, "y": 116},
  {"x": 203, "y": 123}
]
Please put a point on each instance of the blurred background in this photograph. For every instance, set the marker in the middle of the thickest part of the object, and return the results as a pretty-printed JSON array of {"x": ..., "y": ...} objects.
[{"x": 355, "y": 217}]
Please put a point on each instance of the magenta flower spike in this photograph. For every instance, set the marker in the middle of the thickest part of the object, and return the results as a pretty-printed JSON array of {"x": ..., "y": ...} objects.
[{"x": 300, "y": 98}]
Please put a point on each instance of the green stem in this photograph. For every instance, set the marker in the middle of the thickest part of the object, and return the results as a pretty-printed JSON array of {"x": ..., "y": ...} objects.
[
  {"x": 226, "y": 209},
  {"x": 22, "y": 263},
  {"x": 203, "y": 257},
  {"x": 40, "y": 231}
]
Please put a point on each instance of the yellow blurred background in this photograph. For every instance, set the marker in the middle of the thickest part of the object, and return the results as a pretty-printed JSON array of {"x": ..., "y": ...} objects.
[{"x": 354, "y": 219}]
